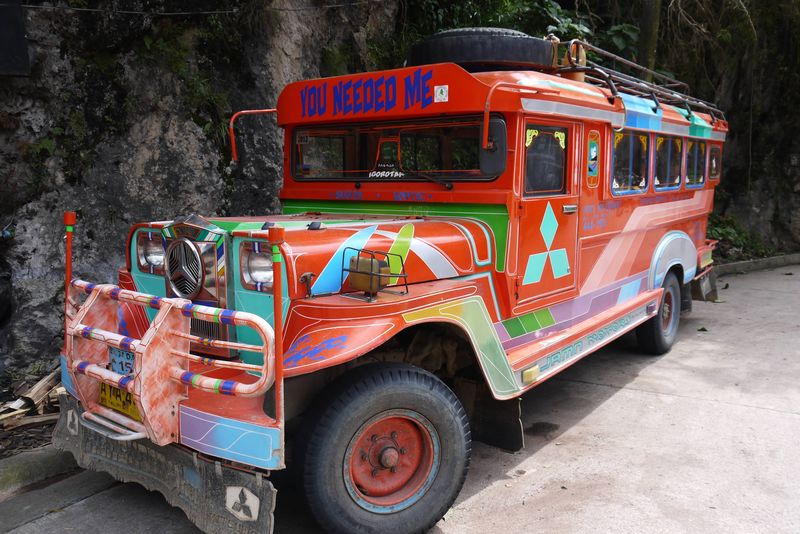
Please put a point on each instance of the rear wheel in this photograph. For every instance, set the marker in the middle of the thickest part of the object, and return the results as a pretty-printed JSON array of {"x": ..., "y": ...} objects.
[
  {"x": 389, "y": 453},
  {"x": 657, "y": 335}
]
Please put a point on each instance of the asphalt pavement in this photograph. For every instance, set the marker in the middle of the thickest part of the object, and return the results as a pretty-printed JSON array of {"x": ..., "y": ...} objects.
[{"x": 702, "y": 439}]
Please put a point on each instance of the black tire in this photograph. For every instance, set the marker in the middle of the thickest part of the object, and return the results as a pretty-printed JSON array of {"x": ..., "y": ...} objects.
[
  {"x": 483, "y": 49},
  {"x": 340, "y": 452},
  {"x": 658, "y": 334}
]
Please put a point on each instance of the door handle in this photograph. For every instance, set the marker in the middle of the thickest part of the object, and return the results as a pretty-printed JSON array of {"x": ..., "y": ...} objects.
[{"x": 569, "y": 208}]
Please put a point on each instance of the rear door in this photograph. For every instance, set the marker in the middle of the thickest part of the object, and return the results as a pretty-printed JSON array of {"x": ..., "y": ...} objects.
[{"x": 548, "y": 223}]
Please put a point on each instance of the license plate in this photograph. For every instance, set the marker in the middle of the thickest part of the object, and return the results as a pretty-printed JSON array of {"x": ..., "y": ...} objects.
[{"x": 121, "y": 361}]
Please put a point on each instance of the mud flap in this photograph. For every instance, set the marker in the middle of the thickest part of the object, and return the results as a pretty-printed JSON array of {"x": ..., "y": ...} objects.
[
  {"x": 704, "y": 287},
  {"x": 216, "y": 498},
  {"x": 494, "y": 422}
]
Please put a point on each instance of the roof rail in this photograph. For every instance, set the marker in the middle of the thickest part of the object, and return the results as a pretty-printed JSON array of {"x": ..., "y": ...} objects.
[{"x": 662, "y": 89}]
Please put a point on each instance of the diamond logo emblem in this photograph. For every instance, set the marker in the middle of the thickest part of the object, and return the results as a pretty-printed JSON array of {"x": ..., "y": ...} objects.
[
  {"x": 242, "y": 503},
  {"x": 559, "y": 260},
  {"x": 549, "y": 226}
]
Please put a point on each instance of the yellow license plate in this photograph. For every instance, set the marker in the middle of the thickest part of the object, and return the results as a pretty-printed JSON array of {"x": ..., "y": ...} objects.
[{"x": 121, "y": 401}]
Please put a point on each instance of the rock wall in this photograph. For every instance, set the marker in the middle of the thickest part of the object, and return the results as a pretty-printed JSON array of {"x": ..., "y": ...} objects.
[{"x": 123, "y": 119}]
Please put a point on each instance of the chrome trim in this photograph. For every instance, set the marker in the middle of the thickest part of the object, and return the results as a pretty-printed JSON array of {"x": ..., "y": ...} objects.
[{"x": 184, "y": 268}]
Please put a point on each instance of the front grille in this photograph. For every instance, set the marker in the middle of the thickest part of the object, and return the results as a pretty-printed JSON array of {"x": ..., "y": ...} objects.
[
  {"x": 184, "y": 268},
  {"x": 205, "y": 329}
]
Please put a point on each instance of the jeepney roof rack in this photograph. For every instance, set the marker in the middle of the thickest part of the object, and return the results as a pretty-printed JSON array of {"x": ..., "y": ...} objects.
[{"x": 662, "y": 88}]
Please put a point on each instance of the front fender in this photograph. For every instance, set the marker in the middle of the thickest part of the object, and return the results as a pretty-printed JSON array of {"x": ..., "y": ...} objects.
[{"x": 327, "y": 331}]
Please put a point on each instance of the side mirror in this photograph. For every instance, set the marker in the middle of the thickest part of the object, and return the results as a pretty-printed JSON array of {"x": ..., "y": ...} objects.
[{"x": 493, "y": 158}]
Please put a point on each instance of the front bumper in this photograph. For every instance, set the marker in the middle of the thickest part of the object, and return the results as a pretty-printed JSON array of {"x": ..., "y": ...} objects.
[{"x": 216, "y": 498}]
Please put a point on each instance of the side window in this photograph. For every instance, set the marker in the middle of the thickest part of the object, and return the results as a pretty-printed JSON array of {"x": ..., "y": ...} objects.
[
  {"x": 545, "y": 160},
  {"x": 630, "y": 162},
  {"x": 715, "y": 163},
  {"x": 669, "y": 156},
  {"x": 695, "y": 163}
]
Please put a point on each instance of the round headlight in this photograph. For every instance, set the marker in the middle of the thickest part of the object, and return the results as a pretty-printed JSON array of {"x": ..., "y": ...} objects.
[
  {"x": 154, "y": 252},
  {"x": 259, "y": 267}
]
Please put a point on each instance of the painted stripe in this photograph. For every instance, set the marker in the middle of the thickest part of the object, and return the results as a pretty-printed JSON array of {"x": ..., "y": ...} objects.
[
  {"x": 437, "y": 262},
  {"x": 616, "y": 118},
  {"x": 398, "y": 252},
  {"x": 629, "y": 291},
  {"x": 471, "y": 314},
  {"x": 124, "y": 381},
  {"x": 479, "y": 262},
  {"x": 331, "y": 278},
  {"x": 227, "y": 317}
]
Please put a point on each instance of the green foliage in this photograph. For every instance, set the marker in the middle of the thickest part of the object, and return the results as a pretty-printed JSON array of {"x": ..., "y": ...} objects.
[
  {"x": 735, "y": 242},
  {"x": 172, "y": 46},
  {"x": 621, "y": 39}
]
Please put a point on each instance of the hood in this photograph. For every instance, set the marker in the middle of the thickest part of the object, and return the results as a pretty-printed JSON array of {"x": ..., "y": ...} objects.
[{"x": 431, "y": 248}]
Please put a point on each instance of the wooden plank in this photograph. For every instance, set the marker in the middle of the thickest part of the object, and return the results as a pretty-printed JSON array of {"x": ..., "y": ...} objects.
[{"x": 32, "y": 420}]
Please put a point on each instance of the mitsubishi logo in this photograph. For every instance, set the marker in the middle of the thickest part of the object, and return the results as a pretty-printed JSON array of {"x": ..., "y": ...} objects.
[
  {"x": 558, "y": 259},
  {"x": 242, "y": 503},
  {"x": 184, "y": 268}
]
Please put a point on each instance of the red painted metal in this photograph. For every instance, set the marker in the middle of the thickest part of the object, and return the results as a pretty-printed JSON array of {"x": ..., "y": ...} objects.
[
  {"x": 391, "y": 460},
  {"x": 70, "y": 218},
  {"x": 234, "y": 155},
  {"x": 276, "y": 238},
  {"x": 488, "y": 105}
]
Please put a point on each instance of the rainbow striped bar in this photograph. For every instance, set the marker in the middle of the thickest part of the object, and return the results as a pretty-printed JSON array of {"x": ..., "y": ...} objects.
[
  {"x": 265, "y": 372},
  {"x": 124, "y": 295},
  {"x": 102, "y": 374},
  {"x": 217, "y": 385},
  {"x": 104, "y": 336}
]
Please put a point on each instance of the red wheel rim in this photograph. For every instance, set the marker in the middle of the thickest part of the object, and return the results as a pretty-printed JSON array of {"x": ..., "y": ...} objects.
[
  {"x": 666, "y": 311},
  {"x": 391, "y": 461}
]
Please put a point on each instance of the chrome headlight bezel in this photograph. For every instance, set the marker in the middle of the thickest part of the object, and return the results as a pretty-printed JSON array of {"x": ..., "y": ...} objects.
[
  {"x": 150, "y": 252},
  {"x": 255, "y": 266}
]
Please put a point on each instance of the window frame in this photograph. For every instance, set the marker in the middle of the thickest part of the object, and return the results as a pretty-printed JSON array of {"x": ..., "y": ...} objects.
[
  {"x": 705, "y": 179},
  {"x": 413, "y": 122},
  {"x": 708, "y": 170},
  {"x": 566, "y": 186},
  {"x": 660, "y": 189},
  {"x": 649, "y": 159}
]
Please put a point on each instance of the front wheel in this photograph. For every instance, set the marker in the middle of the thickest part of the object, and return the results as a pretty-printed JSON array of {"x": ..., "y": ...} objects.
[
  {"x": 388, "y": 453},
  {"x": 657, "y": 335}
]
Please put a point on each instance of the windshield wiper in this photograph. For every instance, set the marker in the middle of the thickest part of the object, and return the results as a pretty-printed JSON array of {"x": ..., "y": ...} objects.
[{"x": 444, "y": 183}]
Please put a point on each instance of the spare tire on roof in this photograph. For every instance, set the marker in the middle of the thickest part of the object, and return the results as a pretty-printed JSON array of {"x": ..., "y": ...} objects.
[{"x": 484, "y": 49}]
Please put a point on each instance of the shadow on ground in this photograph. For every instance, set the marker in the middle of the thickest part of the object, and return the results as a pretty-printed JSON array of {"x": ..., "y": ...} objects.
[{"x": 547, "y": 412}]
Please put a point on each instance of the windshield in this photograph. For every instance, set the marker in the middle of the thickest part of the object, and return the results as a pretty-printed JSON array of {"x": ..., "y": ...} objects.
[{"x": 440, "y": 149}]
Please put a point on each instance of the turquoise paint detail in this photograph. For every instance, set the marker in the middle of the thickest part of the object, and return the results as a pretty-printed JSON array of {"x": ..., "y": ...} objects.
[
  {"x": 628, "y": 291},
  {"x": 478, "y": 262},
  {"x": 698, "y": 127},
  {"x": 535, "y": 268},
  {"x": 330, "y": 279},
  {"x": 559, "y": 262},
  {"x": 66, "y": 378},
  {"x": 549, "y": 226},
  {"x": 254, "y": 302}
]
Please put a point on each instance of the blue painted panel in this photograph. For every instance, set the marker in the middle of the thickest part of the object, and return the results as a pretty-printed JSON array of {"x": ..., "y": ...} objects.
[
  {"x": 66, "y": 379},
  {"x": 230, "y": 439}
]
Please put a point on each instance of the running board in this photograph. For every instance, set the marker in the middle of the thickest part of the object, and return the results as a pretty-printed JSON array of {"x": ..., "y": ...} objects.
[{"x": 535, "y": 362}]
